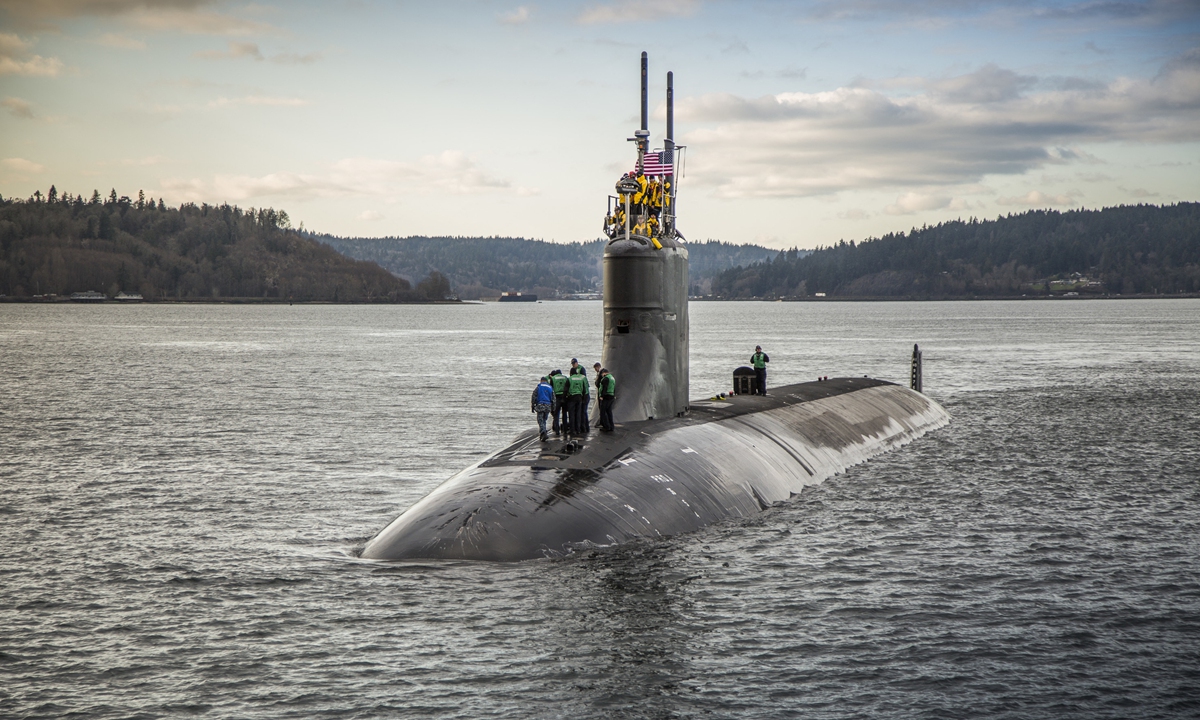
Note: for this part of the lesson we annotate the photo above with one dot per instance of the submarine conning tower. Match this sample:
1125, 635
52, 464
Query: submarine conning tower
646, 281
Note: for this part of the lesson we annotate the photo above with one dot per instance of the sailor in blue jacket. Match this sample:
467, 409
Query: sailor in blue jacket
542, 403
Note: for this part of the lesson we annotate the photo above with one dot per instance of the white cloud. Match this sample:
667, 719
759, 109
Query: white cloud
912, 202
370, 215
518, 16
16, 58
1036, 198
22, 166
957, 131
18, 107
627, 11
854, 214
449, 172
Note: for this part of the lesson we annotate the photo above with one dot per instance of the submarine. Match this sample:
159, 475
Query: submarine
671, 465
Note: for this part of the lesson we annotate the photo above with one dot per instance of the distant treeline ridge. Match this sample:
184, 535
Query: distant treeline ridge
52, 244
1138, 249
486, 266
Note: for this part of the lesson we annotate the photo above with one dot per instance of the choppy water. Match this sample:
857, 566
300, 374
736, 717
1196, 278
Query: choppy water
184, 488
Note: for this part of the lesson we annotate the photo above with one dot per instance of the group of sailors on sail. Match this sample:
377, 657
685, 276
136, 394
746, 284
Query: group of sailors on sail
648, 199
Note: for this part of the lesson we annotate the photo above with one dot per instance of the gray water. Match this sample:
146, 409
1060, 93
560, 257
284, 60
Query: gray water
184, 489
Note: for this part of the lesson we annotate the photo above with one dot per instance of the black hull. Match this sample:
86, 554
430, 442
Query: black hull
657, 478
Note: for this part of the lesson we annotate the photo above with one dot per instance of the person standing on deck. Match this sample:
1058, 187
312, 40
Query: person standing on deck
542, 403
594, 409
607, 390
759, 361
576, 386
587, 399
558, 381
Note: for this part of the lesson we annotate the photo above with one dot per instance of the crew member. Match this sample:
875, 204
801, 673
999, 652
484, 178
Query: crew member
759, 361
608, 395
558, 381
585, 404
594, 408
576, 386
542, 403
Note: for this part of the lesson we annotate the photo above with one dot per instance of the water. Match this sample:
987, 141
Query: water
185, 487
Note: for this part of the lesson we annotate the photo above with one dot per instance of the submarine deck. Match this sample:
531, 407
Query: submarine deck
599, 449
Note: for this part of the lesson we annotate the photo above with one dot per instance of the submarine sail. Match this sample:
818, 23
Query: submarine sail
671, 465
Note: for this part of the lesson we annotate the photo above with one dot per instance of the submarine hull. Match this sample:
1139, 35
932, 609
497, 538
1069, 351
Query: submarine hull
656, 478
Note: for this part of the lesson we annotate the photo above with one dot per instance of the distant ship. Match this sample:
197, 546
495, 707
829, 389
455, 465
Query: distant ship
91, 296
517, 297
128, 297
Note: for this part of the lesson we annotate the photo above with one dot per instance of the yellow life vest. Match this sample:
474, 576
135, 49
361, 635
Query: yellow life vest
641, 196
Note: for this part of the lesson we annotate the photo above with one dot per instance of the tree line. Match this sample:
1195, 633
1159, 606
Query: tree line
486, 266
60, 244
1135, 249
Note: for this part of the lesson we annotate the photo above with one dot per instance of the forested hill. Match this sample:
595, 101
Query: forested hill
481, 267
61, 245
1139, 249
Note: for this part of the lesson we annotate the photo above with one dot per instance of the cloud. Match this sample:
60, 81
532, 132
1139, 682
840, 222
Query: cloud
854, 214
518, 16
448, 172
16, 58
989, 84
1139, 192
1036, 198
120, 41
945, 11
370, 215
258, 100
912, 202
296, 59
188, 16
18, 107
236, 50
21, 166
954, 132
145, 161
627, 11
251, 50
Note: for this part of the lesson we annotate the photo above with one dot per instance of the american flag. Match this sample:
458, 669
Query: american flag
659, 163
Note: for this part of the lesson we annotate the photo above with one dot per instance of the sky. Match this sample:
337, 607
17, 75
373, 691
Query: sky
805, 123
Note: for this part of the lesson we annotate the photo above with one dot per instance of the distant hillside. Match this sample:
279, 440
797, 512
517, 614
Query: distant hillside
488, 266
60, 245
1125, 250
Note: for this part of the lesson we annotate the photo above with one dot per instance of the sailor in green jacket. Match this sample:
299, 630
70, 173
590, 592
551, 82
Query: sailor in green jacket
759, 360
576, 391
608, 394
558, 381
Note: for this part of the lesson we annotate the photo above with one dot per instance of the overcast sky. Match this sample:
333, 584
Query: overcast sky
805, 122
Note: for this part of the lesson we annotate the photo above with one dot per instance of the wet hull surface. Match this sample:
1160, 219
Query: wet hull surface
655, 478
